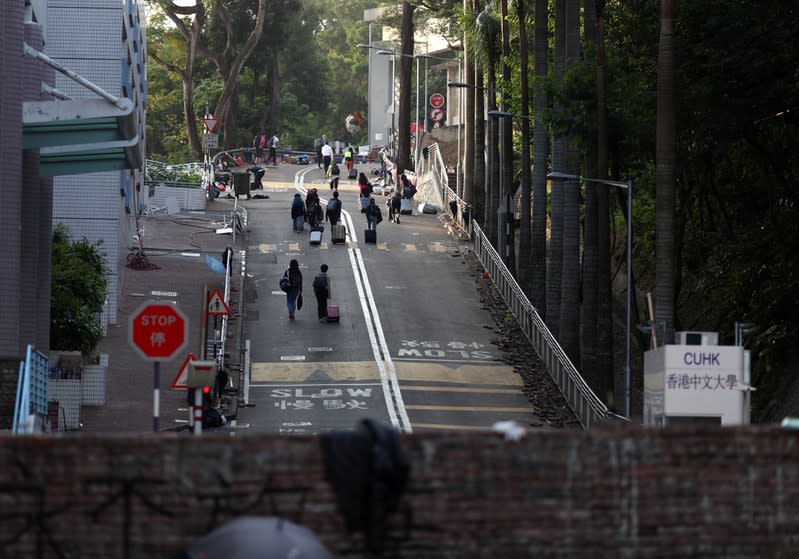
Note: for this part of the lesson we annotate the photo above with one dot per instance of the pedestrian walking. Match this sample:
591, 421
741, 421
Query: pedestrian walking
317, 146
274, 142
333, 210
349, 158
321, 289
373, 215
292, 280
298, 213
313, 210
394, 206
258, 144
327, 156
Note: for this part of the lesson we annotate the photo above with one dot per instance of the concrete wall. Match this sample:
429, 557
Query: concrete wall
609, 493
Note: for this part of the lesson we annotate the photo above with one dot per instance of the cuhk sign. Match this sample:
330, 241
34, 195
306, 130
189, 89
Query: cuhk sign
157, 330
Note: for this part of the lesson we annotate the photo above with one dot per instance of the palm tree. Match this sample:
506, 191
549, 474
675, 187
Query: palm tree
538, 289
469, 133
665, 148
569, 327
524, 264
487, 46
604, 316
506, 131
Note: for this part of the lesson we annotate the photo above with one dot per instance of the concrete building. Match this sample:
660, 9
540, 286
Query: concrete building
72, 101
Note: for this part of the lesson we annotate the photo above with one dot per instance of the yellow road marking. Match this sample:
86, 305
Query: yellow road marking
382, 246
500, 409
502, 375
298, 371
437, 247
480, 390
263, 247
410, 247
448, 427
294, 247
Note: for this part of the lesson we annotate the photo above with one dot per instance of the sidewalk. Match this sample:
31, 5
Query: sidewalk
177, 245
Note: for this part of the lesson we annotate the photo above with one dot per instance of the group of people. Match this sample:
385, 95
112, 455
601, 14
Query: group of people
260, 143
310, 210
291, 283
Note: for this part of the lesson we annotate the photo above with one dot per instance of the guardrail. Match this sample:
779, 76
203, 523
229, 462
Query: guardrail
581, 399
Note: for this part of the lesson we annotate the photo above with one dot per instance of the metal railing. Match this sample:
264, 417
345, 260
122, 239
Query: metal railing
581, 399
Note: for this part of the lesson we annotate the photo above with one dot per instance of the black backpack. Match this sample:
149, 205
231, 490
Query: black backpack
320, 282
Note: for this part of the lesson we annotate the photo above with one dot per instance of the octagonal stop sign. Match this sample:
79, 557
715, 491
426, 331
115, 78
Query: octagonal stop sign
157, 330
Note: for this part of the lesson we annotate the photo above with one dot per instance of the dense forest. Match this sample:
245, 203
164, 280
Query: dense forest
694, 102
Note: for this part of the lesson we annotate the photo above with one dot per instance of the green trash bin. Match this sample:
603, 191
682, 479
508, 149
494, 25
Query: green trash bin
241, 184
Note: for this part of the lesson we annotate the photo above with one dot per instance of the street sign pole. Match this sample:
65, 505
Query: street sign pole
156, 394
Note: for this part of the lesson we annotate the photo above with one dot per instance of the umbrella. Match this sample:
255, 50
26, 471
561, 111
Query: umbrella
259, 537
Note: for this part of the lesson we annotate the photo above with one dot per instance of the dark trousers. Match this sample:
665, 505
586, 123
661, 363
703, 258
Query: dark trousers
326, 159
321, 302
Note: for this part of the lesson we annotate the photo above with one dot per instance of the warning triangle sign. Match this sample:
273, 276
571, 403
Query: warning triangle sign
183, 373
217, 305
211, 124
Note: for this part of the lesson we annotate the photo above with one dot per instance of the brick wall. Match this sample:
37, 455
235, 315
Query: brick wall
731, 493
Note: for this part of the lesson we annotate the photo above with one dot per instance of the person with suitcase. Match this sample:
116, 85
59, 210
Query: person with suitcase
321, 289
373, 215
333, 211
298, 213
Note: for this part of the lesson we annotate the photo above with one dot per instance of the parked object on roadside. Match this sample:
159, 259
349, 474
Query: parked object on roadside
428, 209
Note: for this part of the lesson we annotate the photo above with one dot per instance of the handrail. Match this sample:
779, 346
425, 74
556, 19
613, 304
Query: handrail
581, 399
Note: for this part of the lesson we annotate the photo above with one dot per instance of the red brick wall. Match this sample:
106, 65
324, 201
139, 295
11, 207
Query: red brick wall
605, 494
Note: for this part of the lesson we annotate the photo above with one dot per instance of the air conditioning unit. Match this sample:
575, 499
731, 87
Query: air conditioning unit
697, 338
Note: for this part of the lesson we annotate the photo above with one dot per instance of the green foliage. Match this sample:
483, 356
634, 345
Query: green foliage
78, 289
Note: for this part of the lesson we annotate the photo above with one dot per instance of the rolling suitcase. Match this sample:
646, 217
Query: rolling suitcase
332, 313
316, 234
338, 233
370, 236
406, 207
353, 174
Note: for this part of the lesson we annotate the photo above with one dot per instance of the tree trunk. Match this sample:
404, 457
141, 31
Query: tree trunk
538, 290
469, 132
507, 242
555, 260
524, 269
604, 294
480, 183
665, 151
406, 67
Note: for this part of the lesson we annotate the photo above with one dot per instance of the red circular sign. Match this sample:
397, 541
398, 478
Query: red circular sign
436, 100
157, 331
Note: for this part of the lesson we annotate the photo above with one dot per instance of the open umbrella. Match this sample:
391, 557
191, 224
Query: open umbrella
259, 537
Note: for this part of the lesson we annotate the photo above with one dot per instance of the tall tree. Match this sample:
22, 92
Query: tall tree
406, 67
664, 161
538, 289
525, 262
604, 312
229, 61
470, 140
569, 328
189, 21
506, 132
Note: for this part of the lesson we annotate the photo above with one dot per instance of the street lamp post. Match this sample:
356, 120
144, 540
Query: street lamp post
628, 186
507, 221
392, 88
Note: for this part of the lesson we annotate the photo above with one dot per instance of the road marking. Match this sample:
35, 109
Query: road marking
410, 247
460, 389
484, 373
480, 409
321, 348
292, 358
450, 427
382, 246
294, 372
263, 247
294, 247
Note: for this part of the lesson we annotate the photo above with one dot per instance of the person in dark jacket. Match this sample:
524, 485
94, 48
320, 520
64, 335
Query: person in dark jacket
298, 213
394, 206
333, 212
373, 214
295, 286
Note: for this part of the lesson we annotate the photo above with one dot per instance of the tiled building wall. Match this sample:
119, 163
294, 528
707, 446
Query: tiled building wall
607, 494
87, 37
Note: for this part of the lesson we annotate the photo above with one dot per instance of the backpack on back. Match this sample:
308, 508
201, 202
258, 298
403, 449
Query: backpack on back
320, 282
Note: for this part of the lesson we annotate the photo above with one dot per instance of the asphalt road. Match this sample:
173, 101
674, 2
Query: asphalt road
413, 348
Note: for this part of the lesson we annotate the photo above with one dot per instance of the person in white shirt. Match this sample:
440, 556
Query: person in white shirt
327, 155
274, 141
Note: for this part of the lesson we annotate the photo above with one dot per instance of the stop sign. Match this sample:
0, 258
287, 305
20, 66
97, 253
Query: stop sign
157, 331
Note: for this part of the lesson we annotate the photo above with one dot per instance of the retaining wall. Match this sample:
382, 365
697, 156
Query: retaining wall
612, 492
